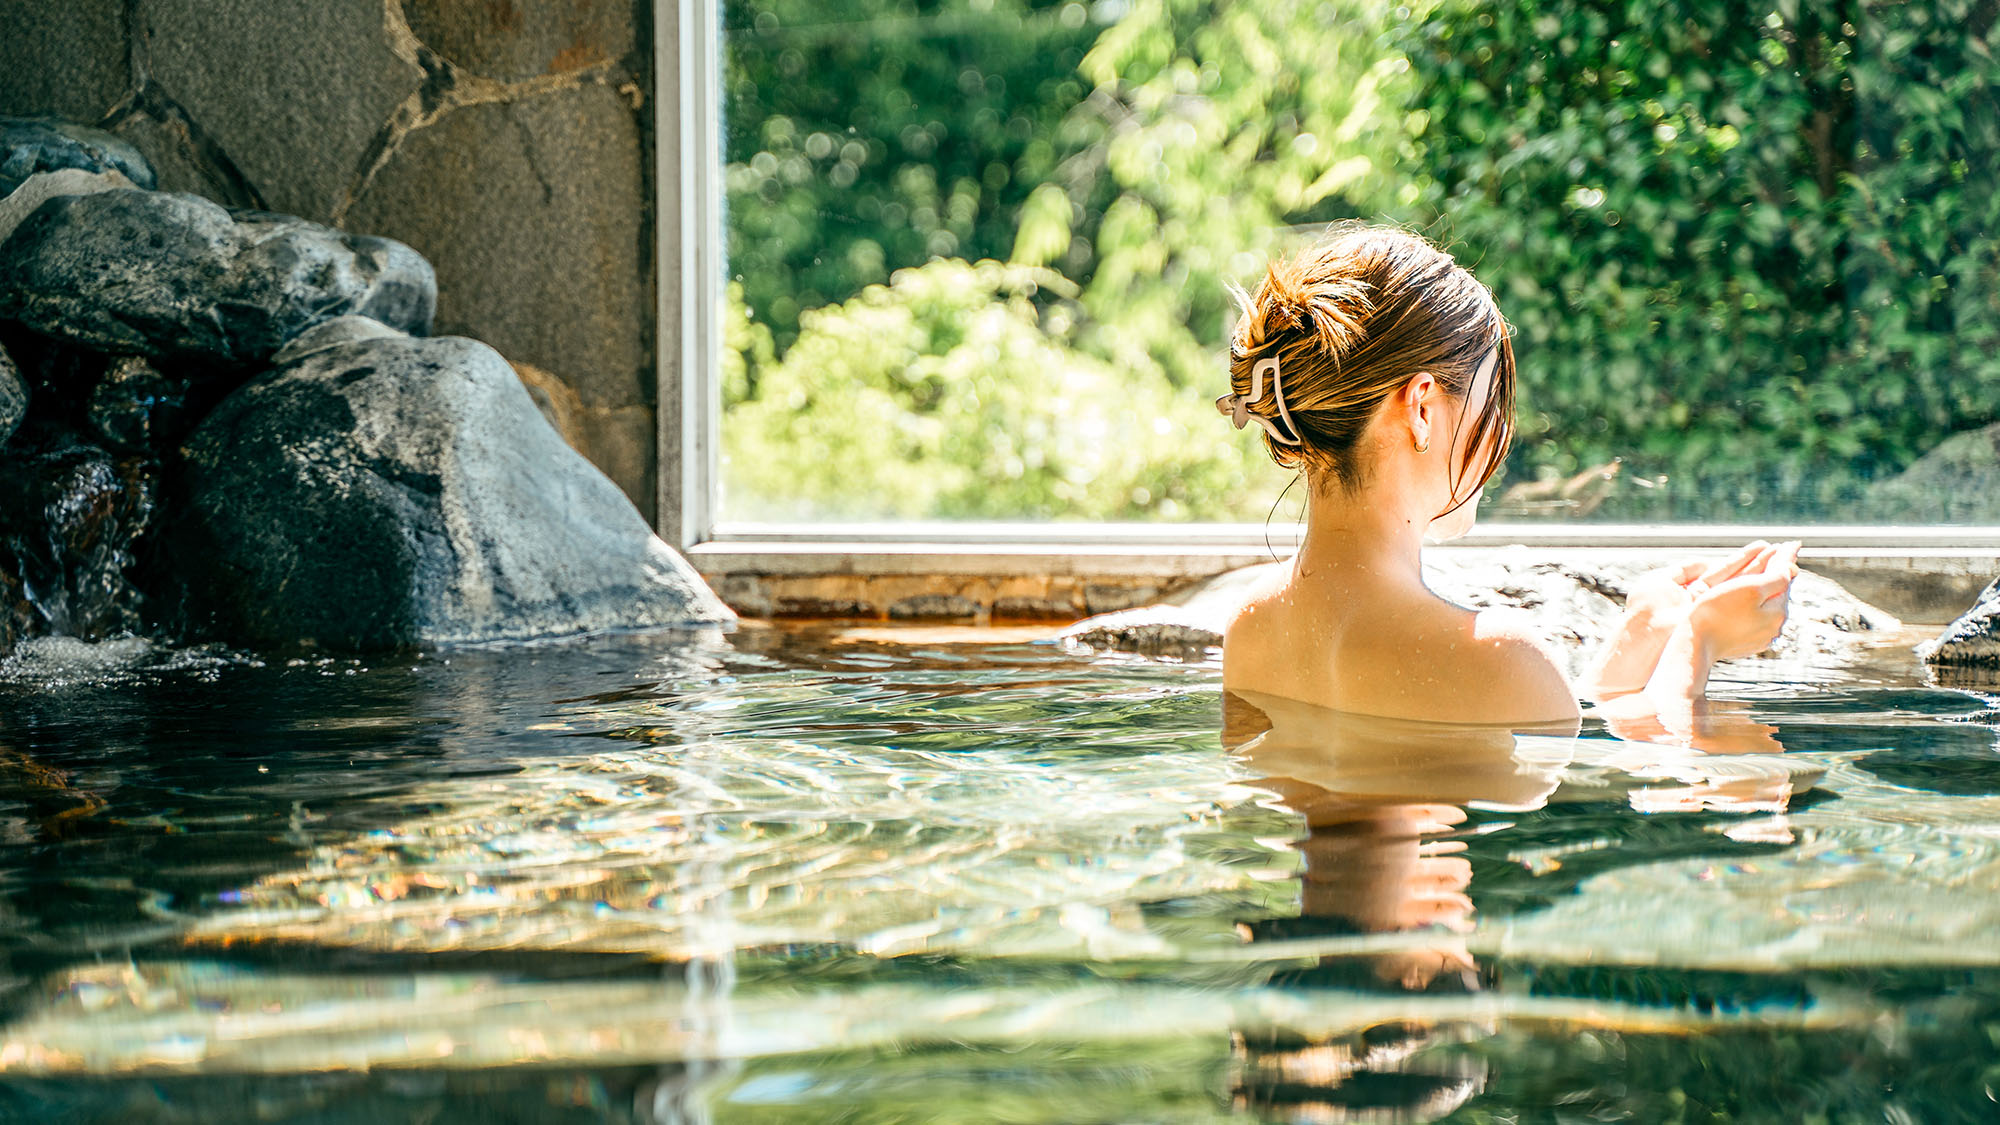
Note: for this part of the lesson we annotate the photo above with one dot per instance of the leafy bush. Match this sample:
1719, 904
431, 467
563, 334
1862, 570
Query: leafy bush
949, 393
1753, 252
1751, 249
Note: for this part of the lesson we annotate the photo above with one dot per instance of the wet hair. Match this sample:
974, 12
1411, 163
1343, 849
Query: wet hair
1350, 320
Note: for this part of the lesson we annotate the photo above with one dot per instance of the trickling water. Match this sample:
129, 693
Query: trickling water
70, 514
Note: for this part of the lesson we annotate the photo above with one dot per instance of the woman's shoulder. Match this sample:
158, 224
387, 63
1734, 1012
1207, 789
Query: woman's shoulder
1427, 659
1513, 668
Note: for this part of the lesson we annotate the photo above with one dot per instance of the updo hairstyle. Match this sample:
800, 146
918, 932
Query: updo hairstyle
1350, 320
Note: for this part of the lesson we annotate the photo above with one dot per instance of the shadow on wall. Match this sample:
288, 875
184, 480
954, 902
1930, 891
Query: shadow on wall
505, 140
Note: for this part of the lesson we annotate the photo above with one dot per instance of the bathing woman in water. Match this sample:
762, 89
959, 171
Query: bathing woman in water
1381, 369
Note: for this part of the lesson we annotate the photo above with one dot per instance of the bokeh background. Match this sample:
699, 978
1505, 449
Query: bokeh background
980, 250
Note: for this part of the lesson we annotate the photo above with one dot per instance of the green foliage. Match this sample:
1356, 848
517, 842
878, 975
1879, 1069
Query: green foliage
949, 393
1228, 124
1155, 170
871, 135
1750, 249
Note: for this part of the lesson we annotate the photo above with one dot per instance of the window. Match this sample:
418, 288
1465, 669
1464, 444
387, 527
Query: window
980, 250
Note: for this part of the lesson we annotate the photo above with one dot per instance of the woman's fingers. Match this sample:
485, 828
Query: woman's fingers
1788, 557
1735, 564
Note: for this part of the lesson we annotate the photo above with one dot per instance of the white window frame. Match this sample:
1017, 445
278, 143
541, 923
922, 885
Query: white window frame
691, 249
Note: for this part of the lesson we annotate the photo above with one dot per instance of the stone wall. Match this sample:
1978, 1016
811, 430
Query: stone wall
506, 140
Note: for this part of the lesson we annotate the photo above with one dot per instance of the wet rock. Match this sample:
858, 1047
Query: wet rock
175, 276
70, 516
13, 396
37, 144
44, 186
332, 334
1574, 602
1972, 641
135, 407
388, 492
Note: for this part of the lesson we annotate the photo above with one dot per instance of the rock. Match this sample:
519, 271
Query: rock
44, 186
349, 329
540, 249
297, 98
71, 58
1185, 625
1972, 641
389, 492
514, 41
13, 396
29, 145
70, 514
135, 407
165, 276
1574, 603
1958, 481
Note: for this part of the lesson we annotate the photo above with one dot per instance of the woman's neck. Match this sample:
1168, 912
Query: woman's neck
1360, 537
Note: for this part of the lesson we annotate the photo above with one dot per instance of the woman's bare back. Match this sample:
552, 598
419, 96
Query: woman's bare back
1398, 654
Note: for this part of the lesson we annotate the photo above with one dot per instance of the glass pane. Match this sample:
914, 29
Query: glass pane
981, 251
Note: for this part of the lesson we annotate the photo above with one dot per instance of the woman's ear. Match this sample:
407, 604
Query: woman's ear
1419, 401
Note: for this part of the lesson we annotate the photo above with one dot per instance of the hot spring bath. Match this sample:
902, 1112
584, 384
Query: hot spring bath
808, 874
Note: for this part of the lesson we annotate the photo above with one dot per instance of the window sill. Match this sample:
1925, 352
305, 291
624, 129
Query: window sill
985, 572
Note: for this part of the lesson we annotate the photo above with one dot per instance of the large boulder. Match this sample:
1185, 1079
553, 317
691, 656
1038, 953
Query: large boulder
29, 145
1574, 602
1957, 481
171, 276
1972, 641
379, 491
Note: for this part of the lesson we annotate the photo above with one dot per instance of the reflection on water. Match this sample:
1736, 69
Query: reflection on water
774, 877
1385, 804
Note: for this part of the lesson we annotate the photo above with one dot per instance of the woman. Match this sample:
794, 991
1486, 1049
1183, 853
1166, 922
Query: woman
1382, 370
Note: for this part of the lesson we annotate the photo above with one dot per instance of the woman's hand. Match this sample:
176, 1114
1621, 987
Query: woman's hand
1737, 617
1742, 613
1658, 604
1663, 597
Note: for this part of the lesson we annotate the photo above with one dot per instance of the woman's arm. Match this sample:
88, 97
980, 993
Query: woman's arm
1658, 604
1739, 617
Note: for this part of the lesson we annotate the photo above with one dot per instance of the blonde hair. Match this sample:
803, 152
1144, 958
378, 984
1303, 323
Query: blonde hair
1350, 320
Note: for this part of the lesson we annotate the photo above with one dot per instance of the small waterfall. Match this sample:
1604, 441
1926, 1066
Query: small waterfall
70, 514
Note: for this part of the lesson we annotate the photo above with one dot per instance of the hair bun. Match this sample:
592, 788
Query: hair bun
1302, 294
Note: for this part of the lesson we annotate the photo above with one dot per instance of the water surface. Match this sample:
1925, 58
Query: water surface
808, 874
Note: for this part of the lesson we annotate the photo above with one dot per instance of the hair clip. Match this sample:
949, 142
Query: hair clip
1237, 407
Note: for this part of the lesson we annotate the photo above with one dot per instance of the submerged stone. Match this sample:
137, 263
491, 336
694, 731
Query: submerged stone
29, 145
388, 491
174, 276
1972, 641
